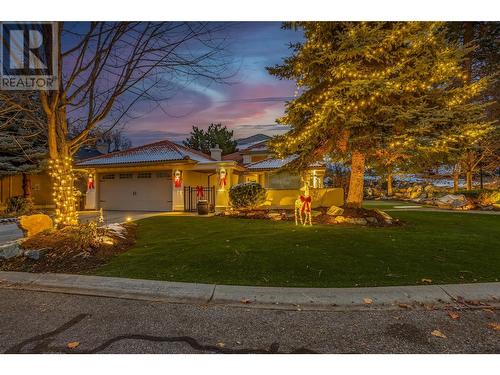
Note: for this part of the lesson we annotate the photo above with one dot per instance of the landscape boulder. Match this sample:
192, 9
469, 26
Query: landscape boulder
387, 218
415, 192
275, 216
35, 254
429, 191
335, 211
10, 250
34, 224
452, 201
350, 220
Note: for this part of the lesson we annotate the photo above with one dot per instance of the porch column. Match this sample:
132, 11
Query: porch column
222, 188
178, 176
91, 193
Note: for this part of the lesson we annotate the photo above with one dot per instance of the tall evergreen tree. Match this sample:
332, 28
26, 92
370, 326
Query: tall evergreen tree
369, 86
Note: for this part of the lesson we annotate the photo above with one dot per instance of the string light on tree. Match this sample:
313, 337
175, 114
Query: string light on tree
61, 170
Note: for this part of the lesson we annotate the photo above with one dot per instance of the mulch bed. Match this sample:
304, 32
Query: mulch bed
62, 256
356, 213
323, 218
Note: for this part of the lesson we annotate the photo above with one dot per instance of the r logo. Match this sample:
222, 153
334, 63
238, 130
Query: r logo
28, 55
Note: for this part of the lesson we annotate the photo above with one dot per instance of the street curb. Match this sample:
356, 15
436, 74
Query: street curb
251, 296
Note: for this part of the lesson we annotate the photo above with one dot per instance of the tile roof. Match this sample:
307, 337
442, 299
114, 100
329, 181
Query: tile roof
275, 163
260, 146
154, 152
270, 163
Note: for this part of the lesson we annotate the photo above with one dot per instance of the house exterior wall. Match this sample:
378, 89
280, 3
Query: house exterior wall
41, 189
322, 197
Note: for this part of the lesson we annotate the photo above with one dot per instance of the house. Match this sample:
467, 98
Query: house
40, 183
165, 176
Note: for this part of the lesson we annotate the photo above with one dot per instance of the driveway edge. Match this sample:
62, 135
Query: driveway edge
251, 296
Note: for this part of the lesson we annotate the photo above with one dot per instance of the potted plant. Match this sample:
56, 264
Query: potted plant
202, 207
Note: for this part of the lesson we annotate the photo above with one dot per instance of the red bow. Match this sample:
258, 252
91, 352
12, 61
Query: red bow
222, 181
199, 191
90, 184
306, 203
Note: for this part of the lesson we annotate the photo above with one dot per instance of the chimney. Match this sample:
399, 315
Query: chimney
216, 153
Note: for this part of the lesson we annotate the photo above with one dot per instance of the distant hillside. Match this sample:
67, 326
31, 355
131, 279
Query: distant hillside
248, 141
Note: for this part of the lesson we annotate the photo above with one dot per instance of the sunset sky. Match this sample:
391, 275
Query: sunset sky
248, 105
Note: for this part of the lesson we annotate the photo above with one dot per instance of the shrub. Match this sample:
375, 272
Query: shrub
247, 195
87, 235
473, 194
489, 197
19, 205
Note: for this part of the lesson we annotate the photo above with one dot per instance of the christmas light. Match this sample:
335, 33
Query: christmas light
64, 193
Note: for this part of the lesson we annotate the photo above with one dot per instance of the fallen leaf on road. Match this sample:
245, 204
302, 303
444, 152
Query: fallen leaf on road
438, 333
368, 301
73, 344
244, 300
494, 326
404, 306
221, 344
453, 315
427, 281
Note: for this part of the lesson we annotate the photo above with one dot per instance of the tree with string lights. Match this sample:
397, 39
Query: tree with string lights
370, 86
106, 69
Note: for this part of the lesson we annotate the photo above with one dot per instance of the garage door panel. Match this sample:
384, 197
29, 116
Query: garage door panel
136, 194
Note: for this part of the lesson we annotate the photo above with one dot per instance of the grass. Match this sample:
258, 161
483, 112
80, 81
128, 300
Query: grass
444, 247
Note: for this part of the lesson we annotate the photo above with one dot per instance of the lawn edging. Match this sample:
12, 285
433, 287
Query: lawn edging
251, 296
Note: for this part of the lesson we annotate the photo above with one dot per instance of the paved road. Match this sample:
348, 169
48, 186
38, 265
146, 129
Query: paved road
9, 232
42, 322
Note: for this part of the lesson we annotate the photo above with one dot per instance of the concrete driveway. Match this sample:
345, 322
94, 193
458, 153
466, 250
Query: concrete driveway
10, 232
117, 216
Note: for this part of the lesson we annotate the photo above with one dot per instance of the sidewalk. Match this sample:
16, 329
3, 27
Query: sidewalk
266, 297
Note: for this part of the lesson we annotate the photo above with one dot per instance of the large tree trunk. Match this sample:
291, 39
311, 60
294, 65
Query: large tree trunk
469, 180
455, 181
27, 186
389, 184
356, 181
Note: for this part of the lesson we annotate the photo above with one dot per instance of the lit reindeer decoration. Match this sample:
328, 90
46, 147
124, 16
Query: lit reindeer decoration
303, 208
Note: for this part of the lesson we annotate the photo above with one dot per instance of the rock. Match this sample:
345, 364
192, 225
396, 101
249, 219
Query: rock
429, 191
486, 208
276, 216
315, 213
387, 218
335, 211
415, 192
357, 220
34, 224
452, 201
35, 254
350, 220
10, 250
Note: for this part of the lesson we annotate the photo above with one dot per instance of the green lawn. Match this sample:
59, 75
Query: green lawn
444, 247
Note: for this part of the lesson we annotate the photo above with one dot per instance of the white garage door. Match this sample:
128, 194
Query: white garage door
136, 191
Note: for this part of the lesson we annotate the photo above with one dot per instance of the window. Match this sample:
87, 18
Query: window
144, 175
162, 174
125, 175
108, 176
